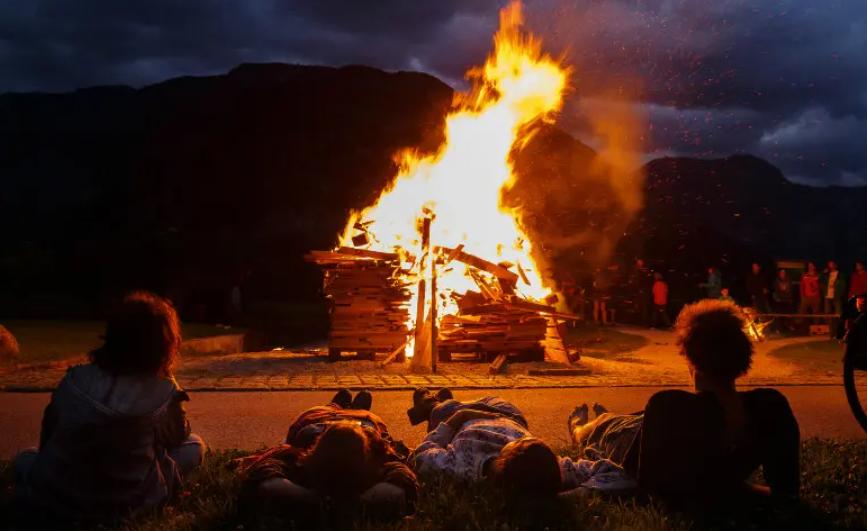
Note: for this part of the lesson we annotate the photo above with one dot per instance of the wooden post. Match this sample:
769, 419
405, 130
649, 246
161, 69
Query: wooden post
420, 340
433, 308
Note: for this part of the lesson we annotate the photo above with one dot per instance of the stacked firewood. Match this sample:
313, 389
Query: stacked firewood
370, 297
369, 301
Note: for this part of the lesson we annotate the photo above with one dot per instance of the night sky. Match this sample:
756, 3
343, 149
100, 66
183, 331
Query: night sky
785, 80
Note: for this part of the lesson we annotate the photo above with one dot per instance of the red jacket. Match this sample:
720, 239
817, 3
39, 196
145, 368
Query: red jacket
660, 293
858, 284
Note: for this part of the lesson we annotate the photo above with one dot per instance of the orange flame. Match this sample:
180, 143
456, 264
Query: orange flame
462, 183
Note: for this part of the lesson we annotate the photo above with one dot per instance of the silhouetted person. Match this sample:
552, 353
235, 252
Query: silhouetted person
811, 295
858, 282
783, 296
660, 302
713, 287
758, 289
833, 284
115, 439
699, 449
640, 283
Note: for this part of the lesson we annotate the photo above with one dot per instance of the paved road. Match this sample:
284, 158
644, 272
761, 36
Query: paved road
253, 419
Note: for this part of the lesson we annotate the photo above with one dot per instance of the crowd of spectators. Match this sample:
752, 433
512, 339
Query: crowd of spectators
641, 295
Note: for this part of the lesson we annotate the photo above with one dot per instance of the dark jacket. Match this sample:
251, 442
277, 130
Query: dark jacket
839, 286
103, 447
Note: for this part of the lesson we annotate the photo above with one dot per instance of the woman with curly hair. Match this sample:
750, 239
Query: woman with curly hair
115, 438
701, 447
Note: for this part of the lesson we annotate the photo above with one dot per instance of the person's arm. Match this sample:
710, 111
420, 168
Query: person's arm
279, 491
49, 422
781, 446
173, 427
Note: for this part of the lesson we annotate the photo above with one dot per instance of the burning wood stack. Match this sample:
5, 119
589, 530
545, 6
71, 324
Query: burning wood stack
370, 295
369, 301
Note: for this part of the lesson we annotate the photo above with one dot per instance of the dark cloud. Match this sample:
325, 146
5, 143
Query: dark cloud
785, 79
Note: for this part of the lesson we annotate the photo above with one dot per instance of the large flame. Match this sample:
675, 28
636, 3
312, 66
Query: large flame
461, 185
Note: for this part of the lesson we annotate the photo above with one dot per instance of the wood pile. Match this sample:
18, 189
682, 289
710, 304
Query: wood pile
370, 297
369, 301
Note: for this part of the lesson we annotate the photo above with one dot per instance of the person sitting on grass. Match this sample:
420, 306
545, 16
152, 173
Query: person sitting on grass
702, 447
338, 459
489, 439
115, 438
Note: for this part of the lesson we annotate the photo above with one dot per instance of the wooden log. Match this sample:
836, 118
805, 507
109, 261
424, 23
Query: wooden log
394, 353
498, 364
479, 263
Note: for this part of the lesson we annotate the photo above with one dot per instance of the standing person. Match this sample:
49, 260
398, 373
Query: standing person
713, 286
601, 295
858, 284
758, 289
640, 283
833, 288
783, 297
660, 302
115, 439
810, 291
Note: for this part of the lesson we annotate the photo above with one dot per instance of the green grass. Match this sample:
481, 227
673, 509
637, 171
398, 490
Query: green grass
604, 342
834, 495
819, 355
42, 341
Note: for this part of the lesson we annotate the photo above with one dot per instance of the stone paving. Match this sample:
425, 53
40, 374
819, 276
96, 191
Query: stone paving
656, 364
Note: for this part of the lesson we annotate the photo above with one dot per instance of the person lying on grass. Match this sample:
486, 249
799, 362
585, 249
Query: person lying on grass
489, 440
337, 457
115, 438
700, 448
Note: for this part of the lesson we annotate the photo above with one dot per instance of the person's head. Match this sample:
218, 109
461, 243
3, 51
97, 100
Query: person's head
832, 265
657, 276
639, 263
724, 292
142, 336
859, 266
711, 270
811, 267
526, 468
757, 268
781, 274
8, 345
711, 336
339, 462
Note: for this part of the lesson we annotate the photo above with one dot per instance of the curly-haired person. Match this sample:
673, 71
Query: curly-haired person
115, 438
700, 448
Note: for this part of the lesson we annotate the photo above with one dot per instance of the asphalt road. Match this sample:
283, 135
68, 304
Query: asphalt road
249, 420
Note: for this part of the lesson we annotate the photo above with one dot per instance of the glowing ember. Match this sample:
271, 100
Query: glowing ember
461, 185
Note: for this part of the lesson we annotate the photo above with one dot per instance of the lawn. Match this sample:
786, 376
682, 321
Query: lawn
819, 355
834, 495
42, 341
603, 342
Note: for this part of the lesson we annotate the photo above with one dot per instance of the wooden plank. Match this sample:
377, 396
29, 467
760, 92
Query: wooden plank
479, 263
498, 364
366, 253
394, 354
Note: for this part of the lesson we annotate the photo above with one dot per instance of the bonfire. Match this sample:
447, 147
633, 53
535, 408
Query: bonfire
438, 265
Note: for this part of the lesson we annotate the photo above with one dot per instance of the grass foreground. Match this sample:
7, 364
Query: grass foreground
833, 496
